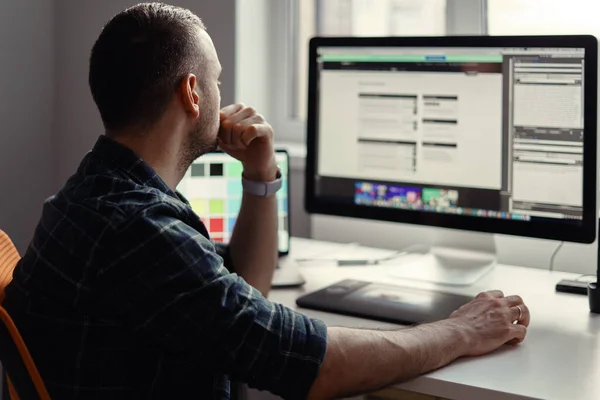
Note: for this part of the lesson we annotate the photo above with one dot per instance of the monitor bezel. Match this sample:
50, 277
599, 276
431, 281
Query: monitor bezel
289, 200
584, 233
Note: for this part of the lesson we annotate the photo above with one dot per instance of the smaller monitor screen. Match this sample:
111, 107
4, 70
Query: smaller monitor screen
213, 186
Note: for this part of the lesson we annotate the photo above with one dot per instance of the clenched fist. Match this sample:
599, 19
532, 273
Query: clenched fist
245, 135
492, 320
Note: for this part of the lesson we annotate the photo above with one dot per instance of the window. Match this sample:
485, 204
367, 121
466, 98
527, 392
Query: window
294, 22
362, 18
548, 17
309, 18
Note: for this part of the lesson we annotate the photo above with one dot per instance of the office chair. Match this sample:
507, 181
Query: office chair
9, 256
21, 377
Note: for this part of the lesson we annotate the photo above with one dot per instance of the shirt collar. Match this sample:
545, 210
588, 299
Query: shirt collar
125, 159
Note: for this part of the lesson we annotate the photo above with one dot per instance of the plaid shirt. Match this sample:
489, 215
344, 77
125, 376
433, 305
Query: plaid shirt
121, 295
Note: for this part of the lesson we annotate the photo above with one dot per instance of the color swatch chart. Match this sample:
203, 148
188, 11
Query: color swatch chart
213, 186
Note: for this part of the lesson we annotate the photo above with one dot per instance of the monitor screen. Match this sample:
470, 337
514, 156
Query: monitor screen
213, 186
476, 130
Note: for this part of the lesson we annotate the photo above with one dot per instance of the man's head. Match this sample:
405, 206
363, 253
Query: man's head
155, 64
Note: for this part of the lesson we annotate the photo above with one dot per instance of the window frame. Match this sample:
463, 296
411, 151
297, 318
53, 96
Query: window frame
463, 17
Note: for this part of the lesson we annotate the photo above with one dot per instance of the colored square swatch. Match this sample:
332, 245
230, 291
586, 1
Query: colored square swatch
199, 206
231, 223
234, 205
216, 225
216, 169
235, 169
198, 170
234, 187
217, 206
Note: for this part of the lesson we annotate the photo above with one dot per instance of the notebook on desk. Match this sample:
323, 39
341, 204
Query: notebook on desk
213, 187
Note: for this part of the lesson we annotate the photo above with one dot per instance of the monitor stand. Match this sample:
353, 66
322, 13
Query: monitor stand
454, 259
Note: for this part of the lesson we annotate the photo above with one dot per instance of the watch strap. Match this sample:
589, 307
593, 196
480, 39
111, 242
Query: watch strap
262, 189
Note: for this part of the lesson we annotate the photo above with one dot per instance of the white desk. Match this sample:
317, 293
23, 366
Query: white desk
560, 358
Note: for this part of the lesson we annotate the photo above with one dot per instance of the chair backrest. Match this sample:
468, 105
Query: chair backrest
22, 377
9, 256
24, 380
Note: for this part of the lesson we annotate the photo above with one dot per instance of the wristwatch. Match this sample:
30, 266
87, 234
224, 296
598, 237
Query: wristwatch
262, 189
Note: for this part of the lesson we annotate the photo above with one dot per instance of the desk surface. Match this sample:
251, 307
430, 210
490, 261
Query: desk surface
560, 358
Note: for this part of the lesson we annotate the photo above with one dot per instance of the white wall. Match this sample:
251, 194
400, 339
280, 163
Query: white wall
78, 24
255, 58
26, 95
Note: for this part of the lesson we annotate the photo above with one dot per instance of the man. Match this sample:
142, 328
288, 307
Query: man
122, 295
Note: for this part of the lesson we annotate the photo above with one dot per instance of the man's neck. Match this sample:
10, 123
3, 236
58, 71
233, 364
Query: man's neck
161, 152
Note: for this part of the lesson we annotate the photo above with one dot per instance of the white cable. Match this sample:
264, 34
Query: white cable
551, 268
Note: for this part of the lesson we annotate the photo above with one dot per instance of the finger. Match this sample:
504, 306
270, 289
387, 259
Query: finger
237, 132
512, 301
256, 131
228, 125
253, 128
523, 317
232, 109
490, 294
224, 133
516, 313
241, 115
224, 147
250, 134
518, 334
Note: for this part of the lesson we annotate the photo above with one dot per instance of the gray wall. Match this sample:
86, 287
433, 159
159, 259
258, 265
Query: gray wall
48, 117
78, 24
26, 96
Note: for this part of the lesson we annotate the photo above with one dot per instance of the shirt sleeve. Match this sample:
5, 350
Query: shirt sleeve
171, 288
223, 250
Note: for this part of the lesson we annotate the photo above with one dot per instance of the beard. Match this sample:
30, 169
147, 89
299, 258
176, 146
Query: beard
200, 140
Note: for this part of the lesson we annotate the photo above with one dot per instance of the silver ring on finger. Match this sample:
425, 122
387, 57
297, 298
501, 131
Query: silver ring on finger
520, 313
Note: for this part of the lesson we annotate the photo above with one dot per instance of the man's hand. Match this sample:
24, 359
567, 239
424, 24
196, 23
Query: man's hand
492, 320
362, 361
245, 135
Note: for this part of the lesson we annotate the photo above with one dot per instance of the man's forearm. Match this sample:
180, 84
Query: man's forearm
253, 245
362, 361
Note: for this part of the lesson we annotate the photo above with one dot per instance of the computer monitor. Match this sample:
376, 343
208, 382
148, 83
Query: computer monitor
484, 134
213, 186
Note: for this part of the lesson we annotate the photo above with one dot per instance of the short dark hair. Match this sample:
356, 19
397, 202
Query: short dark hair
139, 59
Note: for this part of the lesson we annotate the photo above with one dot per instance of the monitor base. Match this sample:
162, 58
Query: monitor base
455, 259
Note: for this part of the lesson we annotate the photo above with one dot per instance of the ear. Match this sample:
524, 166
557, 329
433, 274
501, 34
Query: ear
190, 98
